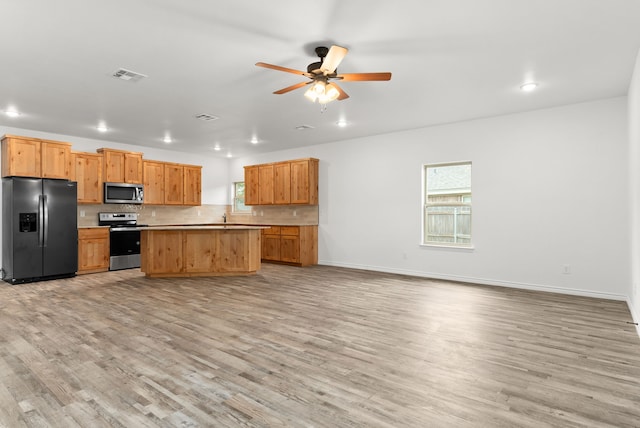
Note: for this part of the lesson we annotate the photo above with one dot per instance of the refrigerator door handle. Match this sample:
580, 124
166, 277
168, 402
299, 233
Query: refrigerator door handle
45, 231
40, 220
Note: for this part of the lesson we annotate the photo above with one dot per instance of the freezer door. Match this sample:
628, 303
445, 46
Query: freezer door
60, 246
22, 253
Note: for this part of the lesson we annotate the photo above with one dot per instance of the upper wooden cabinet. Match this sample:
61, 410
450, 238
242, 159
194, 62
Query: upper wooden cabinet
173, 184
153, 181
292, 182
265, 189
55, 159
120, 166
282, 183
32, 157
304, 181
192, 193
164, 183
251, 185
86, 169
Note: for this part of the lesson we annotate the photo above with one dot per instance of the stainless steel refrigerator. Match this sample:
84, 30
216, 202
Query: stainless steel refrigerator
39, 229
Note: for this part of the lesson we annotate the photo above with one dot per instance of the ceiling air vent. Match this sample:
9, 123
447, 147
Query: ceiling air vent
206, 117
131, 76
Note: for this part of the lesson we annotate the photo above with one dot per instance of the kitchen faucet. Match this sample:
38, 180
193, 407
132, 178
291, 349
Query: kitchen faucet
224, 217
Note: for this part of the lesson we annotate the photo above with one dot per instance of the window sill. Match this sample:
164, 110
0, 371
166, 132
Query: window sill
454, 247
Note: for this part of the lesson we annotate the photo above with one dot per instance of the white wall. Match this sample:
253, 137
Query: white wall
550, 188
634, 195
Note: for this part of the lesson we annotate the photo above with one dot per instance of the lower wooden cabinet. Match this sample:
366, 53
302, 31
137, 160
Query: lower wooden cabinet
297, 245
199, 252
93, 250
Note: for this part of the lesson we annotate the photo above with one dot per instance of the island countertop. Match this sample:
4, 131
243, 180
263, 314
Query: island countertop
212, 226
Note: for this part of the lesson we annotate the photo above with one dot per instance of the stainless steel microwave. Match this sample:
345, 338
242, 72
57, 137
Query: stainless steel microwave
123, 193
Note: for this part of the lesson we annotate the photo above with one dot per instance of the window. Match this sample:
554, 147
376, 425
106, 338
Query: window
447, 204
238, 198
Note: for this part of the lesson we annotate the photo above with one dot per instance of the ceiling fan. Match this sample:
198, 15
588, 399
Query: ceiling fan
323, 75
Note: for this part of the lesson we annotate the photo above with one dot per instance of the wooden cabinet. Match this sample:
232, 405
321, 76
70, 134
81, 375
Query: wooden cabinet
173, 184
251, 185
282, 183
304, 181
86, 169
121, 166
296, 245
199, 252
164, 183
265, 189
93, 250
271, 244
292, 182
192, 193
32, 157
153, 181
55, 159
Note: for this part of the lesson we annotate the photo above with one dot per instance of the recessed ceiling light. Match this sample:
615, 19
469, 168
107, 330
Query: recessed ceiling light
12, 113
102, 128
529, 86
217, 148
342, 123
167, 139
254, 140
229, 155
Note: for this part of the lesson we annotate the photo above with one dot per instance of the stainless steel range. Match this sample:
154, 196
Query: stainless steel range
124, 239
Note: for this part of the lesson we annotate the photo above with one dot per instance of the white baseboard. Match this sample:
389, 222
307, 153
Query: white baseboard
635, 315
483, 281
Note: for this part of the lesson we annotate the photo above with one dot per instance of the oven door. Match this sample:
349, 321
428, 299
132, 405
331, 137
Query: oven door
125, 248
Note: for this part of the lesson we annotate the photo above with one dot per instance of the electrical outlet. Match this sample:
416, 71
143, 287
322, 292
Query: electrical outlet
295, 213
199, 213
261, 213
82, 213
153, 213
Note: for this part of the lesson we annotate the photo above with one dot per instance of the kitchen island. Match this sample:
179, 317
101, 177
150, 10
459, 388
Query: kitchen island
199, 250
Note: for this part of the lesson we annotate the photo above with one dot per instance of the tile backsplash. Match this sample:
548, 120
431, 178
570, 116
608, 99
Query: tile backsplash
162, 214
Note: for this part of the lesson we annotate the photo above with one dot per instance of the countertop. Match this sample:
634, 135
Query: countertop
215, 226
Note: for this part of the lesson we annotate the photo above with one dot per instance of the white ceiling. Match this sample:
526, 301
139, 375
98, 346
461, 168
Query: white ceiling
451, 60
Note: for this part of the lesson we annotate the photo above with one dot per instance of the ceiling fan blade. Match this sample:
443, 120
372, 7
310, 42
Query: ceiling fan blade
362, 77
333, 59
279, 68
292, 88
343, 95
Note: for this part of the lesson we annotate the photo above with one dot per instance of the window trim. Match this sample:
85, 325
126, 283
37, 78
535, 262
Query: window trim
425, 204
234, 208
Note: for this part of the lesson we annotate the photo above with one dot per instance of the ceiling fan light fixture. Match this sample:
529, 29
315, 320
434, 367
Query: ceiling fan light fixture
330, 94
311, 95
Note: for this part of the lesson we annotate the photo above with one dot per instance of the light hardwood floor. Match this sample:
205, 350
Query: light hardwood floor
311, 347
